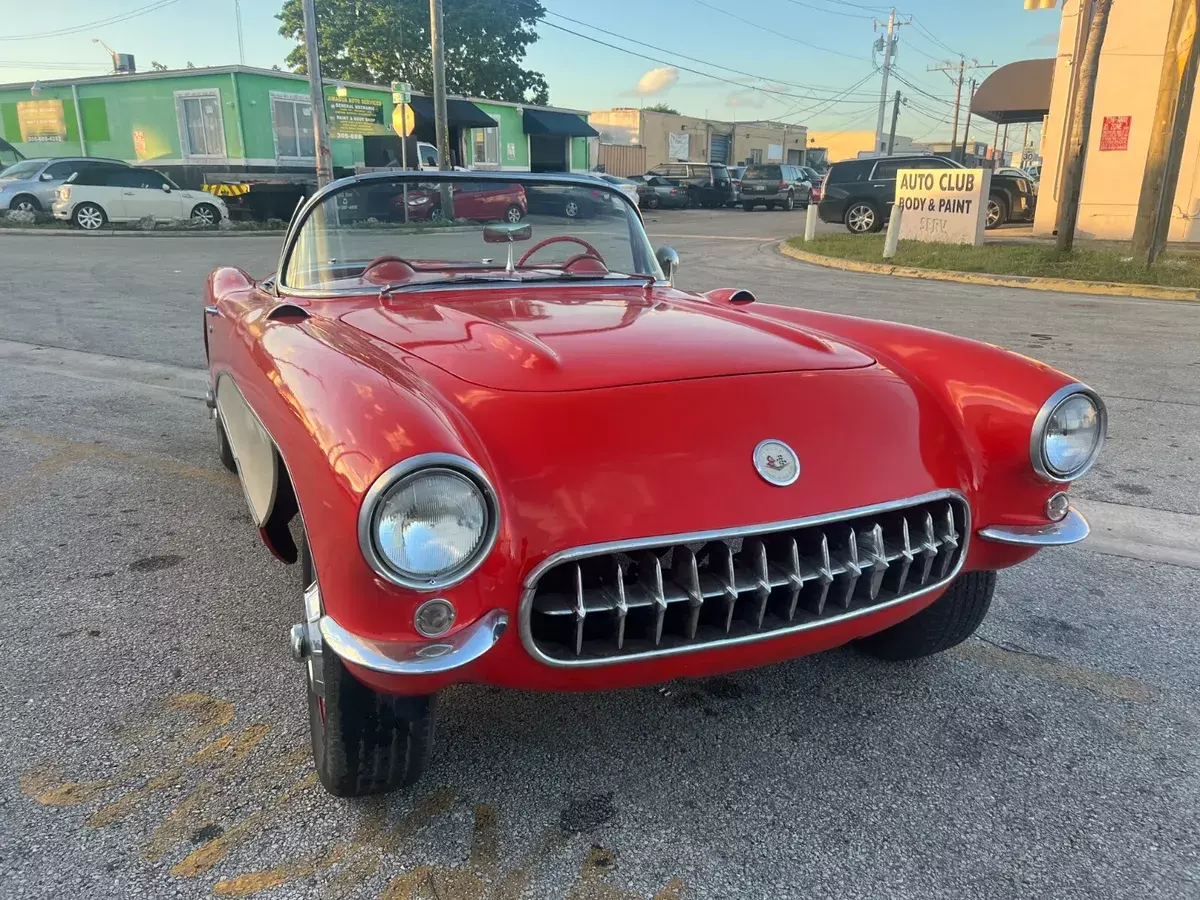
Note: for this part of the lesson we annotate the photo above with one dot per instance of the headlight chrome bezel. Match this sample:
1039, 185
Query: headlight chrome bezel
1037, 439
368, 515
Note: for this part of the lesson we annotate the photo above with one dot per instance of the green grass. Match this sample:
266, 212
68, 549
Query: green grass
1083, 263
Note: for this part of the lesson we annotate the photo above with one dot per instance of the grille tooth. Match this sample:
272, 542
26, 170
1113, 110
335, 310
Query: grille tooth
685, 572
650, 576
870, 547
619, 605
754, 553
928, 548
645, 599
822, 564
851, 570
580, 611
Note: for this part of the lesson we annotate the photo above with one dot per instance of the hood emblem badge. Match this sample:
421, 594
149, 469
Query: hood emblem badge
776, 462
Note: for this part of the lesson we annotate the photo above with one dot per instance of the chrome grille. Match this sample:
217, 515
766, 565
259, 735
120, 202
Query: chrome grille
652, 597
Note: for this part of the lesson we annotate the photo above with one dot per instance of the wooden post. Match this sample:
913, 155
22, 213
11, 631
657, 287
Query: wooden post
316, 89
1167, 134
1068, 208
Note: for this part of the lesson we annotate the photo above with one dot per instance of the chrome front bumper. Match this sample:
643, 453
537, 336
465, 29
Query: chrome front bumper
1071, 530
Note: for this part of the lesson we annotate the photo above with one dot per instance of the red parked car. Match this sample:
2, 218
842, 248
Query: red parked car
477, 201
549, 469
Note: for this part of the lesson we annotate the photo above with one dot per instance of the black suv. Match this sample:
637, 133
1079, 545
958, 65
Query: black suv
858, 193
707, 184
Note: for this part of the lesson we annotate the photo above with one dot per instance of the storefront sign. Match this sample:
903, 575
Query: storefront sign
41, 121
774, 151
1114, 135
352, 117
942, 205
679, 145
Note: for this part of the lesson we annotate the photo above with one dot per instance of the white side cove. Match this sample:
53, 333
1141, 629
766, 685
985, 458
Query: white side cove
257, 462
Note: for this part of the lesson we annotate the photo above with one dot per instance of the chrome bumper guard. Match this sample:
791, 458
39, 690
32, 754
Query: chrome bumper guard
415, 657
1071, 530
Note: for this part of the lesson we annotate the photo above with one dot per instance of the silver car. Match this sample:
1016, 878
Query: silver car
30, 184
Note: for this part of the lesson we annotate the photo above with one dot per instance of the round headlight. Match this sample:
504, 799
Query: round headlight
427, 525
1068, 434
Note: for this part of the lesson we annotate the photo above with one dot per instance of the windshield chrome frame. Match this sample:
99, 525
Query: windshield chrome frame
302, 213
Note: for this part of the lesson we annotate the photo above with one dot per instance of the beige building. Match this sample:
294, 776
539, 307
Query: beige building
1122, 116
841, 145
668, 137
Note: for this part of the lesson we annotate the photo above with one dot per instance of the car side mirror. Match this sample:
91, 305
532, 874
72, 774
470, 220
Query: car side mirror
668, 261
46, 176
166, 188
507, 232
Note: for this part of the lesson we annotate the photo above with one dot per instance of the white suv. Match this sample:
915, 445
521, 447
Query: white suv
96, 196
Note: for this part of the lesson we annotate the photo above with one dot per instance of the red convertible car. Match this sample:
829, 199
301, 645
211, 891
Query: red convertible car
515, 454
476, 201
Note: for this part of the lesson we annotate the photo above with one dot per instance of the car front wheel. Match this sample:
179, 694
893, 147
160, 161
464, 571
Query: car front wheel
945, 623
862, 218
89, 217
571, 210
514, 214
363, 742
206, 214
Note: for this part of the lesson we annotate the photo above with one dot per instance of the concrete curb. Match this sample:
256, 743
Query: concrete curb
78, 232
1029, 282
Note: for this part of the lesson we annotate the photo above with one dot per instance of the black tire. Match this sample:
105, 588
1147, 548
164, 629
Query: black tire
652, 201
947, 622
364, 742
790, 203
997, 211
748, 207
770, 206
25, 203
89, 216
863, 218
224, 449
514, 214
206, 214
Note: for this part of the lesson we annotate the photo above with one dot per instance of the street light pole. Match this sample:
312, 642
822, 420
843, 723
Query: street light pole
317, 95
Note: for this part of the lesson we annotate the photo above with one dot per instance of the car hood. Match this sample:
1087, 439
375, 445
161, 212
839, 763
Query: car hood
586, 338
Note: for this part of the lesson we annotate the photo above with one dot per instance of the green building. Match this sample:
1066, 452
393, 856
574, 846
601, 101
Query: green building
247, 133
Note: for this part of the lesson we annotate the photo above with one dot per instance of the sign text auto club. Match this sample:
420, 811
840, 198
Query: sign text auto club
946, 181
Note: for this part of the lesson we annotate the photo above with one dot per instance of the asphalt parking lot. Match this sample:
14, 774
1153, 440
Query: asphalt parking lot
154, 725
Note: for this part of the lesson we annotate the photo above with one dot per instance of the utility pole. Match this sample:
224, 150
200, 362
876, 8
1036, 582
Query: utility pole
889, 40
1081, 123
439, 84
895, 116
967, 128
237, 15
961, 67
316, 91
1171, 115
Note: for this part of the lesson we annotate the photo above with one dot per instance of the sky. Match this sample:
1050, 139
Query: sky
807, 62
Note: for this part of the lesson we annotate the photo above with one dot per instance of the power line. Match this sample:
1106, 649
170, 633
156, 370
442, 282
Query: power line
787, 37
831, 101
832, 12
768, 91
929, 35
76, 29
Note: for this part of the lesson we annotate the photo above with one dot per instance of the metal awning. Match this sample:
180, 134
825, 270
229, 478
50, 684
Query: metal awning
545, 121
459, 113
1018, 92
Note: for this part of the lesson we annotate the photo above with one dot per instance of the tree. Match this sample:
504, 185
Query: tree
381, 41
662, 108
157, 66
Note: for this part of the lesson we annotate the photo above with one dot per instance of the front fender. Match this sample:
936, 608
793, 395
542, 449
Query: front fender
994, 395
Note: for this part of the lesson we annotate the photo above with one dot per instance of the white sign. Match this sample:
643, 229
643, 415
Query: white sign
679, 145
775, 151
942, 205
511, 150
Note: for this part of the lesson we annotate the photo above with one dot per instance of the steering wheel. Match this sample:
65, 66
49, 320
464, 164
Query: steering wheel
388, 269
560, 238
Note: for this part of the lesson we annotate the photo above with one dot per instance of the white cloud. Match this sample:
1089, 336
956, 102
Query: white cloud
657, 81
745, 100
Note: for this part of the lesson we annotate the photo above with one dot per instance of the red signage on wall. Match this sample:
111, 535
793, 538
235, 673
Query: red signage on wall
1115, 133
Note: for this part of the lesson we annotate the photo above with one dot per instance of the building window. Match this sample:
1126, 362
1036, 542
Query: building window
292, 117
755, 156
201, 131
486, 147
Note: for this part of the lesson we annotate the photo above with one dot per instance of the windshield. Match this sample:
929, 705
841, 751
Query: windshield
770, 172
423, 230
26, 168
